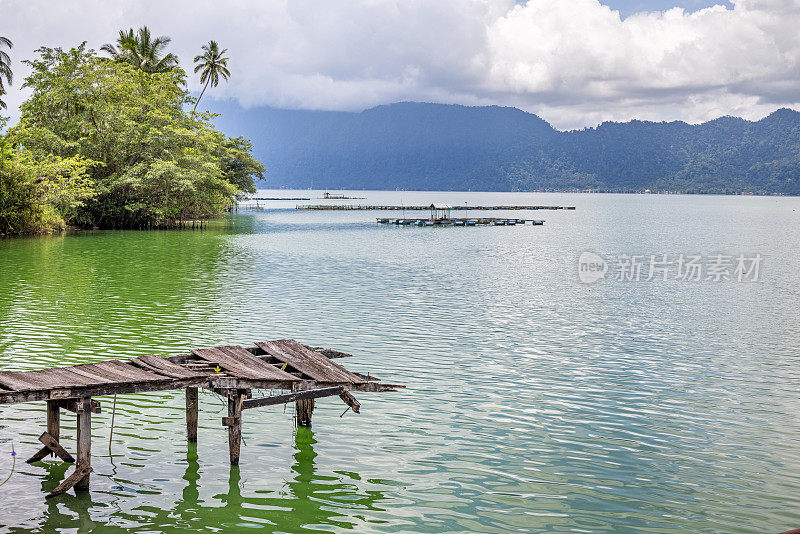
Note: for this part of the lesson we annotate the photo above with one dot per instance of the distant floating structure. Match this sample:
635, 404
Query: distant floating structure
360, 207
440, 216
474, 221
279, 198
340, 197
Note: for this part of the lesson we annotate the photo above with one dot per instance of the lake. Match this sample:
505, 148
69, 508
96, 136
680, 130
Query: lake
646, 401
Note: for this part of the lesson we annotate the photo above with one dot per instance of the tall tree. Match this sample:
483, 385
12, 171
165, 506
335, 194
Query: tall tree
213, 66
156, 163
5, 68
142, 50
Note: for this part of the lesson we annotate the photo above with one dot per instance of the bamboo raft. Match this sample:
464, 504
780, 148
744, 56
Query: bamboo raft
307, 373
360, 207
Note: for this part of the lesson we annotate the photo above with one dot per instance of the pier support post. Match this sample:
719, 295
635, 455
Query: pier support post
234, 423
304, 407
84, 441
53, 419
191, 414
53, 430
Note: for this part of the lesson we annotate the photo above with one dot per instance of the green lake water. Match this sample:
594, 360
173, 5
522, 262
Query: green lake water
535, 402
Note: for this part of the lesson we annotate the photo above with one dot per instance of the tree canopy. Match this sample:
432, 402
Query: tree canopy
146, 161
142, 50
5, 68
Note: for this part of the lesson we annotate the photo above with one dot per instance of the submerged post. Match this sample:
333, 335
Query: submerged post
191, 414
234, 424
304, 407
84, 409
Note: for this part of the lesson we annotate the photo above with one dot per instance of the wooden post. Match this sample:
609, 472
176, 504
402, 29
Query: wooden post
234, 423
191, 414
304, 407
84, 441
53, 419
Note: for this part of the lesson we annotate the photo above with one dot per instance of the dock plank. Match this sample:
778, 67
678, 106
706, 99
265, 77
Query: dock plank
239, 362
313, 364
163, 366
16, 381
58, 376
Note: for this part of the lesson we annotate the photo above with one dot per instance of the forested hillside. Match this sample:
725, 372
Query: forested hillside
447, 147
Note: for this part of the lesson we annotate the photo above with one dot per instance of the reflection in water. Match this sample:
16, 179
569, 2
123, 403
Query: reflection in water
68, 511
314, 499
311, 500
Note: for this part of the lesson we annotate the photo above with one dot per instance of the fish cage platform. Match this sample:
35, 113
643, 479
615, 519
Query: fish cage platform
474, 221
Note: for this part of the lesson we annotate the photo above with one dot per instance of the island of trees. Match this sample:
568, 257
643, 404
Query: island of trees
115, 141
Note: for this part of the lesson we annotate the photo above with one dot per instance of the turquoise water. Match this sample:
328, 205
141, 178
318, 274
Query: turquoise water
535, 402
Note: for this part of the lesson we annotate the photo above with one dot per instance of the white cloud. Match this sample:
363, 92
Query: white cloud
573, 62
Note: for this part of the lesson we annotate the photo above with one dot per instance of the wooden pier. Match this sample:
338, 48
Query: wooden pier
473, 221
279, 198
305, 372
359, 207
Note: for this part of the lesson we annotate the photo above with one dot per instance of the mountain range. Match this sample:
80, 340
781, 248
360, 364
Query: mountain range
421, 146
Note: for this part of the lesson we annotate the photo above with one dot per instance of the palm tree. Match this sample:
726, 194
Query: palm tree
213, 66
5, 68
142, 50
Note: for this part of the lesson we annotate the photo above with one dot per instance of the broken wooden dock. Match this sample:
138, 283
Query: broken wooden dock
307, 373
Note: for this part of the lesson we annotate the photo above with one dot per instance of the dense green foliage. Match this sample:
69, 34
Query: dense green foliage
37, 193
433, 146
148, 162
6, 74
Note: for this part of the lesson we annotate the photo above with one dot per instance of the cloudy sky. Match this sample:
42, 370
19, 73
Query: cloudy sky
573, 62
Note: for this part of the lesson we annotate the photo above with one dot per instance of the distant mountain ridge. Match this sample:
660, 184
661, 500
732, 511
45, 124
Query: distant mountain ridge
421, 146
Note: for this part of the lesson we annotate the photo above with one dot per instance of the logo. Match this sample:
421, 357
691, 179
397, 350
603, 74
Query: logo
591, 267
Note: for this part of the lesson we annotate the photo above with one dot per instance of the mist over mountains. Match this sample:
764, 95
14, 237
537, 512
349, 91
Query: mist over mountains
418, 146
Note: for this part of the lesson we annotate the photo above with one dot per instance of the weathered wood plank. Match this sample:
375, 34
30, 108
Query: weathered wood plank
39, 455
351, 401
329, 353
164, 366
62, 377
289, 397
53, 430
127, 372
258, 365
375, 387
242, 363
17, 381
86, 371
78, 475
111, 389
310, 363
301, 350
52, 445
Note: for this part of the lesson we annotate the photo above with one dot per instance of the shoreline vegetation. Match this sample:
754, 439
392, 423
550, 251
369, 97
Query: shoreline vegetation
113, 143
